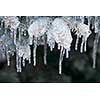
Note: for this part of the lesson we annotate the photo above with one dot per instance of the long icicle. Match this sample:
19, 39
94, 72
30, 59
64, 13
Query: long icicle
14, 37
58, 46
23, 62
97, 32
76, 44
95, 49
85, 45
17, 64
34, 51
8, 58
81, 49
20, 69
45, 49
67, 53
62, 51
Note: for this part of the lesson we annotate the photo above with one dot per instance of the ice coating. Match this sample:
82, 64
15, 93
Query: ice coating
11, 21
82, 30
37, 29
22, 52
60, 33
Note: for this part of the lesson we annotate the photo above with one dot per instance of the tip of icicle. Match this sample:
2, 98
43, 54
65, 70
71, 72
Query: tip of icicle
76, 48
60, 72
94, 67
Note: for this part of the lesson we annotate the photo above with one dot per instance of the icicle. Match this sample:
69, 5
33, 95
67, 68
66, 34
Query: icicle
81, 49
20, 31
29, 59
95, 49
83, 31
85, 43
19, 67
60, 66
96, 24
45, 62
1, 24
58, 46
17, 62
93, 22
51, 48
30, 51
14, 38
34, 51
76, 45
89, 20
30, 40
97, 31
27, 21
23, 62
45, 49
8, 58
12, 35
67, 54
29, 55
61, 59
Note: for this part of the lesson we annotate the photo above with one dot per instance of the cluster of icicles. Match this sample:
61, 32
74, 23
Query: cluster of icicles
17, 36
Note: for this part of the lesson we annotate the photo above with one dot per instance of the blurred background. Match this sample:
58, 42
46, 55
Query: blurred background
76, 69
